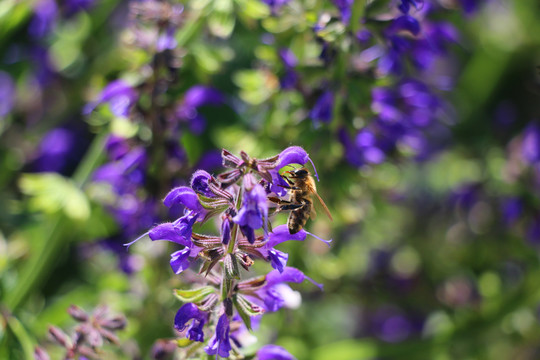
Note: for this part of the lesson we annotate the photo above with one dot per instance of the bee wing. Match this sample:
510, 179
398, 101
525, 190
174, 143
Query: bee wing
324, 207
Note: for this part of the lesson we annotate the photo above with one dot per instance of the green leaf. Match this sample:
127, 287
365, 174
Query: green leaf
194, 295
347, 350
246, 309
51, 193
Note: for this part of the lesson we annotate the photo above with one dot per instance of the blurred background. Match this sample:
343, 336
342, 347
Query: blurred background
421, 117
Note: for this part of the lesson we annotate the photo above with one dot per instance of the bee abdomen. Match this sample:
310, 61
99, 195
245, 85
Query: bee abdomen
298, 218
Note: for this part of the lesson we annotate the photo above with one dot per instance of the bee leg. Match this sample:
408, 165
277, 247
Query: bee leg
291, 206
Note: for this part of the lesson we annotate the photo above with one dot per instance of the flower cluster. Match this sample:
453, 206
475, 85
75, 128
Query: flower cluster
89, 335
241, 199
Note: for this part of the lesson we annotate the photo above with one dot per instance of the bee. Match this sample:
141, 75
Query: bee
302, 188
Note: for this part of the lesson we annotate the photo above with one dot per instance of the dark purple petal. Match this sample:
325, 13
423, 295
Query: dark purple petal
405, 23
295, 155
254, 210
180, 260
220, 343
178, 232
185, 196
273, 352
189, 312
226, 230
281, 234
278, 259
199, 183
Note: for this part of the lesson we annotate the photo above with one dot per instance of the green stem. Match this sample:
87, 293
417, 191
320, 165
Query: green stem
22, 336
234, 231
36, 269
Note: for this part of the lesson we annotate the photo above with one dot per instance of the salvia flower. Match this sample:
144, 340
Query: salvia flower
239, 200
220, 343
119, 95
274, 352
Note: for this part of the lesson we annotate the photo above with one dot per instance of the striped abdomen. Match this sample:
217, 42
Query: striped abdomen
299, 217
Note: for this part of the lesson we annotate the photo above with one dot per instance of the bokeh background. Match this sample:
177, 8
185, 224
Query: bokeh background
421, 117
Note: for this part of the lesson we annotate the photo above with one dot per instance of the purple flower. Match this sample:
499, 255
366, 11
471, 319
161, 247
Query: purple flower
275, 292
7, 94
194, 98
166, 41
220, 343
185, 196
125, 174
530, 147
323, 109
72, 7
187, 313
291, 155
273, 352
512, 208
290, 79
344, 7
405, 5
199, 183
280, 234
275, 5
60, 150
45, 15
120, 96
254, 211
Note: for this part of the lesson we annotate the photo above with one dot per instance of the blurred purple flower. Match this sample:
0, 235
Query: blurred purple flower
344, 7
290, 78
275, 5
273, 352
166, 40
44, 19
194, 98
530, 147
187, 313
322, 111
512, 208
72, 7
405, 5
219, 343
7, 94
120, 96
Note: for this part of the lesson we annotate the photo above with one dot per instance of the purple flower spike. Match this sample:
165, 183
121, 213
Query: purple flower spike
254, 210
120, 96
219, 343
323, 109
185, 196
189, 312
199, 183
7, 94
273, 352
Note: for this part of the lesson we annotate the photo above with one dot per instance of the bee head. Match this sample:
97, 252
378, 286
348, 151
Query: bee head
301, 173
